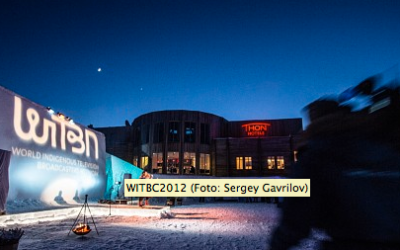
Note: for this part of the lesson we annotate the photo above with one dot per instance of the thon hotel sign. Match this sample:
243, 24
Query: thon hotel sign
255, 129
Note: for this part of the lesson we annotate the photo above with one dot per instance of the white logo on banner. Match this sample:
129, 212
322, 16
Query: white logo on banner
68, 132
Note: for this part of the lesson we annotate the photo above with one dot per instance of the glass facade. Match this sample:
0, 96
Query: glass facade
157, 163
205, 164
173, 163
190, 132
189, 163
173, 132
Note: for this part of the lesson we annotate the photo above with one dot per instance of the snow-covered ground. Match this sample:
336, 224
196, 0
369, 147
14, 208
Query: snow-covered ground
210, 225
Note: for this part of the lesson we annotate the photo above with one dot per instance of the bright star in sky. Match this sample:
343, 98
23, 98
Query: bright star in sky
99, 69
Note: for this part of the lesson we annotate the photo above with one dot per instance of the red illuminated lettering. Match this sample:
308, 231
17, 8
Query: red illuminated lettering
256, 128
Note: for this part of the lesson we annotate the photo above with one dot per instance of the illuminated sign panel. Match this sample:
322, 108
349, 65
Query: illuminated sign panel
52, 159
256, 129
78, 139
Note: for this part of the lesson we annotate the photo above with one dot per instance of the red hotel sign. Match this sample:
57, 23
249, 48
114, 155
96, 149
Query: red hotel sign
256, 128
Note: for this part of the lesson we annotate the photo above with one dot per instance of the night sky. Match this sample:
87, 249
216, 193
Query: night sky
241, 60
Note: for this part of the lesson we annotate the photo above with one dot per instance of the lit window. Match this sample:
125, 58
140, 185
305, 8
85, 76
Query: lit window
295, 156
144, 161
204, 163
189, 163
280, 162
239, 162
248, 163
271, 162
173, 163
157, 161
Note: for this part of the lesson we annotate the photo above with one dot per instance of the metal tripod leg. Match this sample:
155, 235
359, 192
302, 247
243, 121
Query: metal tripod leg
76, 219
92, 219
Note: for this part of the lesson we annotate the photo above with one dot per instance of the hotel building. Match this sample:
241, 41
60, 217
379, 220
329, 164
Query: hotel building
181, 142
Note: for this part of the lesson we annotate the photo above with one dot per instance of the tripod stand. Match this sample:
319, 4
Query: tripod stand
83, 228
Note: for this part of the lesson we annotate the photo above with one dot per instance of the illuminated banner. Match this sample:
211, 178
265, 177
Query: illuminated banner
256, 129
52, 158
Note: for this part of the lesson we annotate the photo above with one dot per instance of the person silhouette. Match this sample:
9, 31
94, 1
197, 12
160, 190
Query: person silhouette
144, 175
353, 162
76, 197
59, 199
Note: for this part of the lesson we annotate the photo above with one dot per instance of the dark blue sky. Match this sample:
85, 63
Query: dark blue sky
241, 60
